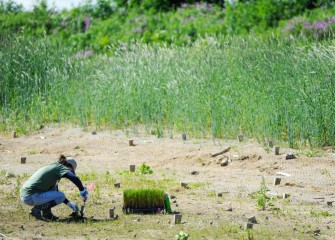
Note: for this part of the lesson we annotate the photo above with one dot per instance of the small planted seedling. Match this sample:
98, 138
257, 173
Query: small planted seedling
262, 199
23, 160
181, 236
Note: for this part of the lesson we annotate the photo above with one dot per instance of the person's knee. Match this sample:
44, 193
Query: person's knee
60, 198
27, 200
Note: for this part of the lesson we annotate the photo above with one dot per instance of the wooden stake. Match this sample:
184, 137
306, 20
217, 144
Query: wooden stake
132, 168
285, 195
183, 136
252, 219
248, 226
111, 212
23, 160
277, 181
177, 218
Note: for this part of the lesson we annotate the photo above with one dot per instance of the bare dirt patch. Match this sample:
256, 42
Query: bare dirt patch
216, 203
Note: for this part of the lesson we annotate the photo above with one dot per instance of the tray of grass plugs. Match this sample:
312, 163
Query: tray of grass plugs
145, 201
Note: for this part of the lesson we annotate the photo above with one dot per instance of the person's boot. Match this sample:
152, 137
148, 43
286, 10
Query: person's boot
43, 211
36, 212
46, 211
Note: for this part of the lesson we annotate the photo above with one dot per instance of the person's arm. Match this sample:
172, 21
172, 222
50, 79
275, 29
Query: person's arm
73, 178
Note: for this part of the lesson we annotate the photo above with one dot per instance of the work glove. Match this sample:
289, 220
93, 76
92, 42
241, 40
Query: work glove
84, 194
73, 206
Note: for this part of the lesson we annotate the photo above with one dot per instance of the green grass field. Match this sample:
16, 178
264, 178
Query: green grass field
269, 88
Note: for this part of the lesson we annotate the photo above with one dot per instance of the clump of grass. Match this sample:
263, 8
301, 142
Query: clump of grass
144, 169
325, 172
181, 236
315, 213
108, 178
198, 184
32, 152
88, 176
263, 87
143, 198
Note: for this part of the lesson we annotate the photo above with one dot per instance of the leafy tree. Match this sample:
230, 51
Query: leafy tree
162, 5
103, 9
10, 6
243, 16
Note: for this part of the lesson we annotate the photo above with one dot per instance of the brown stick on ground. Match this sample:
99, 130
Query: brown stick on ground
222, 152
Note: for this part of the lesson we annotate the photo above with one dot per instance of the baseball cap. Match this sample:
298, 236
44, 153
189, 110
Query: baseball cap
72, 162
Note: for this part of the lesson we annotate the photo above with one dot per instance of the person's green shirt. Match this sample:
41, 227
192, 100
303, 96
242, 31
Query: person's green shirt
44, 179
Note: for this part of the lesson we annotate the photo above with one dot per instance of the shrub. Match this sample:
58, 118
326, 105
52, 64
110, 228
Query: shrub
145, 169
259, 15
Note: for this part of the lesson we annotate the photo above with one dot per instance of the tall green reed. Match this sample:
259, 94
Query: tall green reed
270, 88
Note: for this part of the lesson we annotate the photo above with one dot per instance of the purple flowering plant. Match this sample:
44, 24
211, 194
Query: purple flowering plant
320, 29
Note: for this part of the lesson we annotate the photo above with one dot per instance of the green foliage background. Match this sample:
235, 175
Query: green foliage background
109, 23
220, 69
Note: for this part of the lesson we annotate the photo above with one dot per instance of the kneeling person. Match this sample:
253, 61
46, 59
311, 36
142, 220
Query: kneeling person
41, 189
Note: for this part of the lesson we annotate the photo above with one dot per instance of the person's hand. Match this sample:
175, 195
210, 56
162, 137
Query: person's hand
73, 206
84, 194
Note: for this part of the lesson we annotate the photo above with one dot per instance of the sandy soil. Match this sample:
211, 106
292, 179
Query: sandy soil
309, 181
